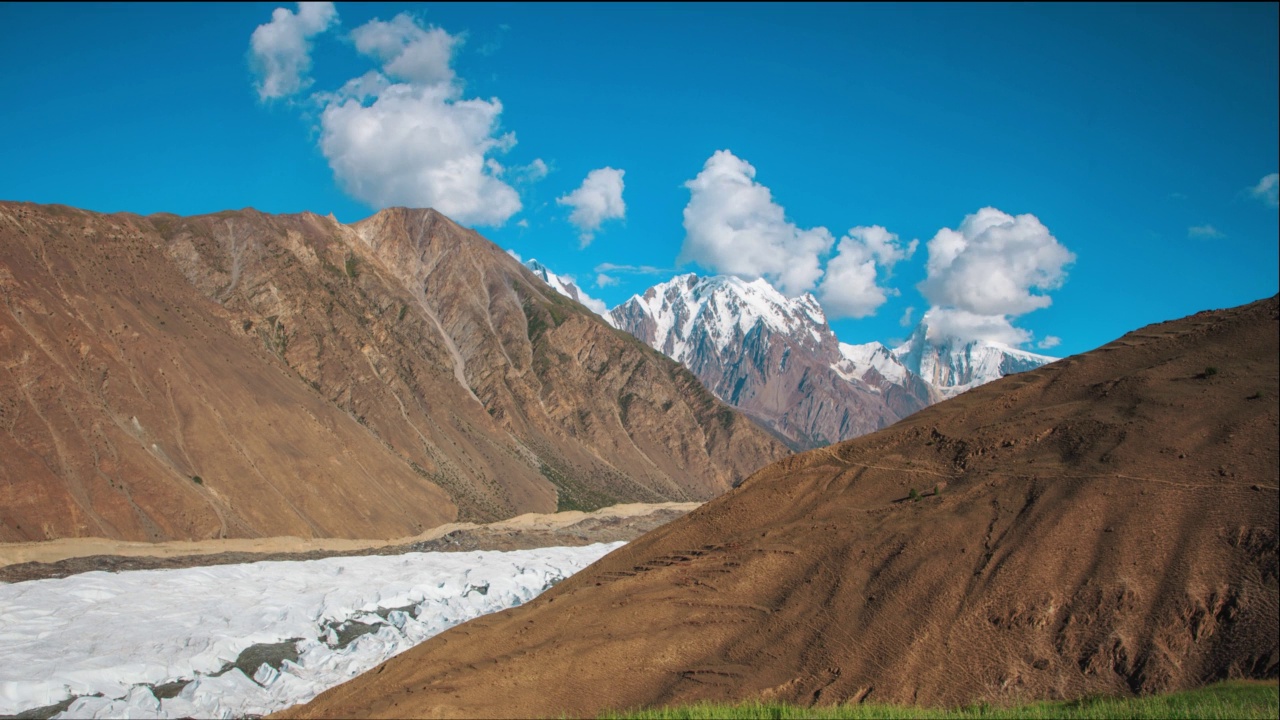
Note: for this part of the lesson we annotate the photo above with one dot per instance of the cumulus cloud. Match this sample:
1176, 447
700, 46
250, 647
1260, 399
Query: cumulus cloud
1204, 232
732, 225
992, 268
603, 280
942, 323
280, 51
407, 50
1267, 191
597, 199
905, 320
421, 146
1049, 342
993, 263
515, 255
406, 136
403, 134
849, 287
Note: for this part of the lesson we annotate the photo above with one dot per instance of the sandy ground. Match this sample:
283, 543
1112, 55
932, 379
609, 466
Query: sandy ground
59, 558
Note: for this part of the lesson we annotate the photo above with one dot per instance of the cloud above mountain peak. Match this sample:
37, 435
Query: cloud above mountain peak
993, 267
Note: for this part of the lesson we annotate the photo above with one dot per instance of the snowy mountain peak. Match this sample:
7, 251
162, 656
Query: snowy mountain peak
953, 365
857, 361
565, 286
724, 308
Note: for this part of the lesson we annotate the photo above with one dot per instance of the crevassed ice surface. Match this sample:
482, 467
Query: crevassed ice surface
221, 641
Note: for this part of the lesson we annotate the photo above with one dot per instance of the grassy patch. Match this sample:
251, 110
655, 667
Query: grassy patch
1231, 699
573, 494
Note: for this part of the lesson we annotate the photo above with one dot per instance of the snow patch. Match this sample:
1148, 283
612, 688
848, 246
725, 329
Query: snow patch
565, 285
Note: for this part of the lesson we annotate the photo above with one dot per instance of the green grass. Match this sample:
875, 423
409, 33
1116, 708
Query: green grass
1225, 700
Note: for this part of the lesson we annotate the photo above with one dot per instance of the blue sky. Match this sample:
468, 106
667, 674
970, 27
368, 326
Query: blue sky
1126, 147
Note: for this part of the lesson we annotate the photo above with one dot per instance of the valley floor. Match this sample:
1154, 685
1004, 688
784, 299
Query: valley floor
21, 562
244, 639
247, 627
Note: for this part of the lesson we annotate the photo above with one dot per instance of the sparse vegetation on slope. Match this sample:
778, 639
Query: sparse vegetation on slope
1225, 701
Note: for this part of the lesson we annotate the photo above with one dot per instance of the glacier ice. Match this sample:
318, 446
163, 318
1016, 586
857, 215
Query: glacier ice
247, 639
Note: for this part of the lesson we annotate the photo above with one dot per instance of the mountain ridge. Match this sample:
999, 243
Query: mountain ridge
771, 356
242, 374
740, 336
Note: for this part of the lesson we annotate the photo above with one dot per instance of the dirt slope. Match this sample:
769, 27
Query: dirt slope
248, 375
1106, 524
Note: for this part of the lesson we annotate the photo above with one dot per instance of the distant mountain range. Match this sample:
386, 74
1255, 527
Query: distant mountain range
776, 358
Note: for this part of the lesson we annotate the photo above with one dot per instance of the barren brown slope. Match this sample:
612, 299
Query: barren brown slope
1107, 524
246, 375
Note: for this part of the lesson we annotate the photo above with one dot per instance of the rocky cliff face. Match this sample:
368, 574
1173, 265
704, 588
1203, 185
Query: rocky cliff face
242, 374
773, 357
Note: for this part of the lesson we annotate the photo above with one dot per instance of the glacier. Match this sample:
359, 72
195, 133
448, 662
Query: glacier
250, 639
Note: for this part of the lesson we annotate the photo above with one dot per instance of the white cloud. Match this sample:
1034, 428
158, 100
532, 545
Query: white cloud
524, 223
905, 320
632, 269
732, 225
531, 173
603, 280
1049, 342
943, 323
849, 286
516, 255
993, 262
597, 199
417, 142
402, 135
1267, 190
988, 271
407, 50
1205, 232
421, 146
280, 51
596, 306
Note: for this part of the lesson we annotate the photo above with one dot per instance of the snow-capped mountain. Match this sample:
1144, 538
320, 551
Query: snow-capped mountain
776, 358
877, 367
771, 356
565, 286
953, 366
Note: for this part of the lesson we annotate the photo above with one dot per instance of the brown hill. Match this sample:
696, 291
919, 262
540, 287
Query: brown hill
1105, 524
241, 375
